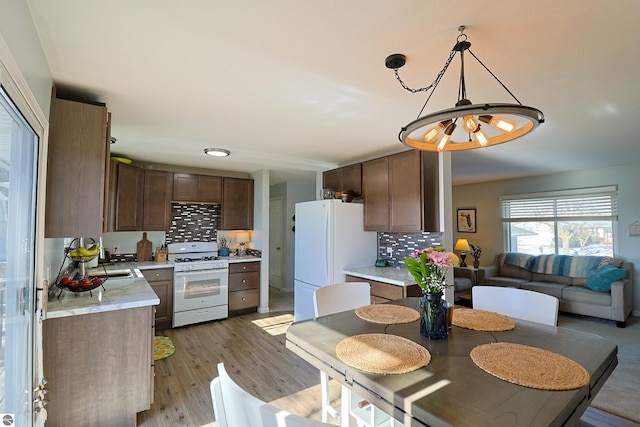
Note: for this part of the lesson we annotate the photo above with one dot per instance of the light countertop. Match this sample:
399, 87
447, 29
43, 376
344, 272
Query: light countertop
391, 275
118, 294
246, 258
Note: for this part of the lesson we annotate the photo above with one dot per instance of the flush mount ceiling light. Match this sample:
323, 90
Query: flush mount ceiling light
216, 152
481, 125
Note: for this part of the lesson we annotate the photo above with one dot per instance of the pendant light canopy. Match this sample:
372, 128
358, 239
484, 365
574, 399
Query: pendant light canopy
467, 125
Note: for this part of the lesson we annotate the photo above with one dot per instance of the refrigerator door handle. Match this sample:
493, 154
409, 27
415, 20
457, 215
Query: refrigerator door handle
327, 242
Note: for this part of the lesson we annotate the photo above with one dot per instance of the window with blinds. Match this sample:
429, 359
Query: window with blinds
572, 222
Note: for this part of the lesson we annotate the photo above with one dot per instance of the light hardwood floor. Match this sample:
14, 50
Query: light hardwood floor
255, 356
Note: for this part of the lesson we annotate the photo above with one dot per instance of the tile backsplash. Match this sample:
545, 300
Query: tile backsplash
194, 222
403, 244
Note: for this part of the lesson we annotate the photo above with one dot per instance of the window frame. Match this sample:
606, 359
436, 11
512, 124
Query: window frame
589, 204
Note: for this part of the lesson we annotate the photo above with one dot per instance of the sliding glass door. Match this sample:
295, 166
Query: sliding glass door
18, 178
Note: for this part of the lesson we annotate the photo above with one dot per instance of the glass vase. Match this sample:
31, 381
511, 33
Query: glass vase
433, 316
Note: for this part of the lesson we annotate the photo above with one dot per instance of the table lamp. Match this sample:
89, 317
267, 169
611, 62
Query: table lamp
462, 245
242, 238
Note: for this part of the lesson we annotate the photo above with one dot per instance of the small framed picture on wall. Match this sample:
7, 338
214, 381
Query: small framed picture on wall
467, 220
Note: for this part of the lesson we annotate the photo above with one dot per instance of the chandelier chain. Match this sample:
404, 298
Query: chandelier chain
435, 81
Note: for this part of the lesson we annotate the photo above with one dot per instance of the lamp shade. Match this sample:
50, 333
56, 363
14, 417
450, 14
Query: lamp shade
462, 245
243, 237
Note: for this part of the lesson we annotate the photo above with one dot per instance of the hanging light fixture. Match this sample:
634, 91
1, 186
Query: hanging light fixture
477, 125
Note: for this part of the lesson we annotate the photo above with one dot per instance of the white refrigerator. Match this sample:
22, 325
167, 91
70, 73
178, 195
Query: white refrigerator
329, 237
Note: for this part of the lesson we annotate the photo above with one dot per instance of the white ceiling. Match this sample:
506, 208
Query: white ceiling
299, 86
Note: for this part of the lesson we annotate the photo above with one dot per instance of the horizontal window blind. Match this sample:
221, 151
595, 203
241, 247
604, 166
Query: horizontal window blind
599, 204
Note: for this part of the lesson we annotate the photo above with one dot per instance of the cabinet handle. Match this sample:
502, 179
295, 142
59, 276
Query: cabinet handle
244, 299
244, 281
244, 267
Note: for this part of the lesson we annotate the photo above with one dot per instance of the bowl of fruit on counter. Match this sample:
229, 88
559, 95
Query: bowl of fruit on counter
80, 285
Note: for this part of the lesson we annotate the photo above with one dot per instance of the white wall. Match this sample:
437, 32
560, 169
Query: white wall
291, 193
485, 198
19, 34
260, 235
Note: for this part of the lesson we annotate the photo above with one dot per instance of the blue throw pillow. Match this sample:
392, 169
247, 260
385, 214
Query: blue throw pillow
601, 279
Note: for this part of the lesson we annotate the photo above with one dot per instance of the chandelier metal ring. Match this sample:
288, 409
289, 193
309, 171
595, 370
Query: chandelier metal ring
532, 117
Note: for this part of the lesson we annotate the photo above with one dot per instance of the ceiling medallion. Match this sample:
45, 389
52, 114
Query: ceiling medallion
477, 125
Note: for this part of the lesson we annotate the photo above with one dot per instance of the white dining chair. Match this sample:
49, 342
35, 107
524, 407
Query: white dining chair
519, 303
333, 299
234, 407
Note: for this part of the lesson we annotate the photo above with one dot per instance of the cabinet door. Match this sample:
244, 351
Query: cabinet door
344, 179
164, 310
157, 200
431, 191
352, 179
209, 189
185, 187
129, 182
116, 348
161, 281
405, 192
237, 204
332, 179
375, 190
78, 154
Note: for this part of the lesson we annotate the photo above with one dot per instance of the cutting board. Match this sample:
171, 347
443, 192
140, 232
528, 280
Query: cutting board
144, 249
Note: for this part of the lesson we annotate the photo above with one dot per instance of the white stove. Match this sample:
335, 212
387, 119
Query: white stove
201, 283
191, 256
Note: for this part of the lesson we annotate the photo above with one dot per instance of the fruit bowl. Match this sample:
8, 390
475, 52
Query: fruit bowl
82, 285
84, 254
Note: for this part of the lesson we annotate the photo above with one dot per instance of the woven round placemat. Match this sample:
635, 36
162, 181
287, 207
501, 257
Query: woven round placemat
388, 314
481, 320
382, 353
530, 366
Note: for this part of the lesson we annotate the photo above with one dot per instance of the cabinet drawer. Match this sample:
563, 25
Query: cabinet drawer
243, 299
386, 290
156, 274
241, 267
242, 281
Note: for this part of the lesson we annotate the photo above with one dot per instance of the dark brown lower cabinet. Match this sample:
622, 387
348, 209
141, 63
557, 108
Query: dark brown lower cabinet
161, 281
99, 367
244, 285
383, 292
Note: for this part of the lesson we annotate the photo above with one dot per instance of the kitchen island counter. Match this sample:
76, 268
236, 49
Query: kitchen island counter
118, 294
387, 283
390, 275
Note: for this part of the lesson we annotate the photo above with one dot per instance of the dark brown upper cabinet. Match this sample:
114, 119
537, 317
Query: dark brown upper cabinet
126, 197
158, 189
401, 192
77, 169
197, 188
237, 204
140, 200
344, 179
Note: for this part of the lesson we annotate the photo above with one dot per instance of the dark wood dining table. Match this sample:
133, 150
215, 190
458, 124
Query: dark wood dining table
451, 390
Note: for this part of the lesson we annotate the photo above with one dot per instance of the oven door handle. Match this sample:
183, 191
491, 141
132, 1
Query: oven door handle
197, 272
